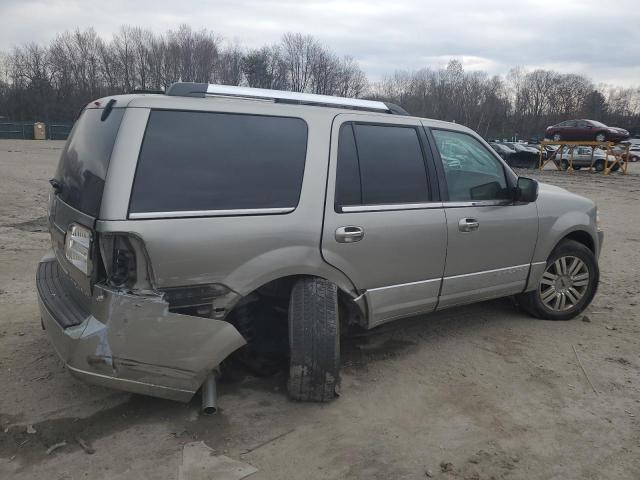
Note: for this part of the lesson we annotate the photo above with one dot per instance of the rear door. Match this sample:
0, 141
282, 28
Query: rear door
490, 239
384, 225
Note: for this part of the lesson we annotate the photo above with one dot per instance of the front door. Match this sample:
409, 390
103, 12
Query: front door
384, 225
490, 239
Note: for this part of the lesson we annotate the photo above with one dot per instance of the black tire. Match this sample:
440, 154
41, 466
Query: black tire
314, 340
599, 165
601, 137
532, 303
577, 167
635, 158
556, 137
564, 164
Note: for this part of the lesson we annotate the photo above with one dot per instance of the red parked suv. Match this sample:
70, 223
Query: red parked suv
585, 130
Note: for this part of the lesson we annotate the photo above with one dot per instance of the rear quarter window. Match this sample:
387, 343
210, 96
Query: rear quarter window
203, 161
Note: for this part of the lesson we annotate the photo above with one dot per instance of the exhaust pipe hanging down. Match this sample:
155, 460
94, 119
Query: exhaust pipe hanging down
210, 394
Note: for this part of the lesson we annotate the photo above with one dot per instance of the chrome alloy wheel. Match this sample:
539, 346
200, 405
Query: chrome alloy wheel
564, 283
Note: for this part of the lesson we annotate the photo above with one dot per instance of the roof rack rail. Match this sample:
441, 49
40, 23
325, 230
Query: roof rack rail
191, 89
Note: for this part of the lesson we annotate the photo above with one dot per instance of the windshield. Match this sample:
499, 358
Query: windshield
85, 159
596, 124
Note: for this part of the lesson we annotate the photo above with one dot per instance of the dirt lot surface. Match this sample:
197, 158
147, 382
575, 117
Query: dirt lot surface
478, 392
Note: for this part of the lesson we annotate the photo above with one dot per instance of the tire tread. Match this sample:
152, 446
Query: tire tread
314, 340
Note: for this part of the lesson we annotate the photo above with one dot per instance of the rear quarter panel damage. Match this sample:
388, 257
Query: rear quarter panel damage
136, 338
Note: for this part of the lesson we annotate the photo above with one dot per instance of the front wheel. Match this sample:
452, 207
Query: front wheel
567, 286
601, 137
557, 137
314, 340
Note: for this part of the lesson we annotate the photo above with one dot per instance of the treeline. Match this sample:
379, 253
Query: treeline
52, 82
520, 104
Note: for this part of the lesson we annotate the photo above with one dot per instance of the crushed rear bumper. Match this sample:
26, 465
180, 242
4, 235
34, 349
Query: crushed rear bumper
130, 342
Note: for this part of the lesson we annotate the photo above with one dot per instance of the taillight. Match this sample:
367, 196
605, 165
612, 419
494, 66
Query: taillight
77, 247
124, 260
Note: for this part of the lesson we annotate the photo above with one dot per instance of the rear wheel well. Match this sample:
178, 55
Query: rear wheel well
261, 317
582, 237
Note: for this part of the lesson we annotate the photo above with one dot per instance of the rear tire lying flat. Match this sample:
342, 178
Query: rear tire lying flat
314, 340
568, 285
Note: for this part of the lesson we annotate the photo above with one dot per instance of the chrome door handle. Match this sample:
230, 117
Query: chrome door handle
349, 234
468, 225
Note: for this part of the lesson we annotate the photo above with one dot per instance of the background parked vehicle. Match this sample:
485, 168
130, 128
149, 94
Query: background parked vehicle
634, 153
582, 158
524, 156
521, 147
585, 130
502, 150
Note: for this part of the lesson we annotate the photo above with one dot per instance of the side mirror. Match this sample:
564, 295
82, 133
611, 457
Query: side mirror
526, 190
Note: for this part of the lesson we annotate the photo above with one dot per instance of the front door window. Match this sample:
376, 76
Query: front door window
471, 171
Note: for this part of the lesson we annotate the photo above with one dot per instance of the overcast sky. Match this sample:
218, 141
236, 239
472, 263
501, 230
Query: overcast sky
597, 38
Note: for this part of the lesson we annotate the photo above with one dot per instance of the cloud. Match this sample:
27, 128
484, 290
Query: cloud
581, 36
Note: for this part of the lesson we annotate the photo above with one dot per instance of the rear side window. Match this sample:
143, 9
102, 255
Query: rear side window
199, 161
380, 164
85, 159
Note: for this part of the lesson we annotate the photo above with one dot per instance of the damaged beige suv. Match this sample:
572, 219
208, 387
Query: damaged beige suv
179, 221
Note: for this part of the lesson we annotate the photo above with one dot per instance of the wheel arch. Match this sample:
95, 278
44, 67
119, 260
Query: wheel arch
578, 234
279, 287
604, 132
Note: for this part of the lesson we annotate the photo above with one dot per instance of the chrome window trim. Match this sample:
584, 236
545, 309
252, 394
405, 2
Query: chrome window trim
390, 207
210, 213
419, 282
477, 203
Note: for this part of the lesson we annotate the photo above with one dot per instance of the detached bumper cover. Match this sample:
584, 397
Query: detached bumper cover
130, 342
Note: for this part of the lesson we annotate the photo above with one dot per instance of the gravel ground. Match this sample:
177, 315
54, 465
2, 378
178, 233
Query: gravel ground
477, 392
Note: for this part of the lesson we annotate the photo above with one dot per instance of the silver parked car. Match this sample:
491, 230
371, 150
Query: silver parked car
179, 221
586, 157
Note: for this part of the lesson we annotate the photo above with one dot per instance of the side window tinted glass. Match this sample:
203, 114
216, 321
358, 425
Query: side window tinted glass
472, 172
195, 161
392, 167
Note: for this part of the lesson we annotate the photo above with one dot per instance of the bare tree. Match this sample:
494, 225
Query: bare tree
55, 80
